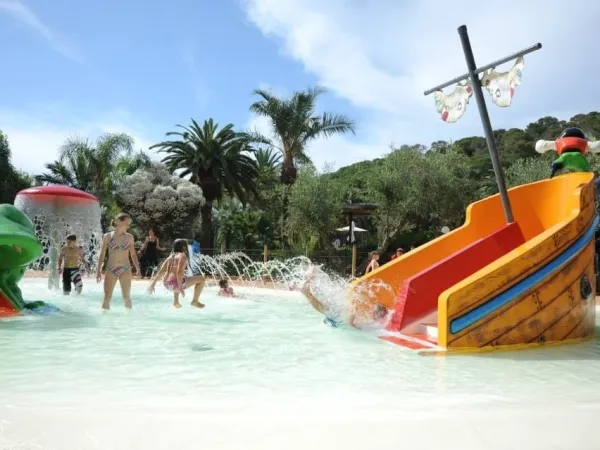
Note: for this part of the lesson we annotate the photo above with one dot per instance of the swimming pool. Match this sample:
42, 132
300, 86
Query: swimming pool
266, 366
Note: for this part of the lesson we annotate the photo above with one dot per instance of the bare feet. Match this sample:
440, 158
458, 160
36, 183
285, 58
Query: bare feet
176, 305
197, 304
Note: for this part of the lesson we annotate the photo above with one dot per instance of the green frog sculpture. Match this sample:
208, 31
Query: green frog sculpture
572, 148
19, 247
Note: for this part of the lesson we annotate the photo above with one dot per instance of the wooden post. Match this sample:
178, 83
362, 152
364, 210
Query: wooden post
306, 252
265, 253
352, 210
353, 260
223, 248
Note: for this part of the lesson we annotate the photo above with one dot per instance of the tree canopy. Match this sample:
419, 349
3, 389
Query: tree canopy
264, 190
11, 180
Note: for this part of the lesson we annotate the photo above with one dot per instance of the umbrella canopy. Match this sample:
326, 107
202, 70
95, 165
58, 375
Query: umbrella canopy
354, 228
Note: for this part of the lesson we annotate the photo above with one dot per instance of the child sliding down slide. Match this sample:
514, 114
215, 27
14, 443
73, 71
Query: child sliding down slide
377, 319
174, 278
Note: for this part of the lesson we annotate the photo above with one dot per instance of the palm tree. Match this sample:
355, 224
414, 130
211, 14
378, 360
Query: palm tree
75, 170
267, 159
216, 160
295, 123
269, 163
127, 165
89, 166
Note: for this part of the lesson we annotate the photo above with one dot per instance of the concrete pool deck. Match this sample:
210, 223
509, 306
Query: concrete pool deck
532, 427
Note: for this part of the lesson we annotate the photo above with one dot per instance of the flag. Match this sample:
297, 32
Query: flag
501, 85
452, 107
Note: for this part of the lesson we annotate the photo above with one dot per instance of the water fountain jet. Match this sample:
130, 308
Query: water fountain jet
57, 211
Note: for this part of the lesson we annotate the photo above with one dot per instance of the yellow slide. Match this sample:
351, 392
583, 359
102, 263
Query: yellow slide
487, 284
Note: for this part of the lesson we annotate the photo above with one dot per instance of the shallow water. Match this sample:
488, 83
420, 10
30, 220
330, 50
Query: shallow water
269, 345
266, 352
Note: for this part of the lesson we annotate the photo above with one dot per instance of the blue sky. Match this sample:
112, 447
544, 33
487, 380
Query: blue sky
72, 67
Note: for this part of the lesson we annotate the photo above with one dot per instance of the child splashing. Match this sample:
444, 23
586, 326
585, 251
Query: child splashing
174, 278
333, 315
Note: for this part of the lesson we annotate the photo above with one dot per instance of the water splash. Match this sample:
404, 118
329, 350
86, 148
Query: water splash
52, 225
330, 288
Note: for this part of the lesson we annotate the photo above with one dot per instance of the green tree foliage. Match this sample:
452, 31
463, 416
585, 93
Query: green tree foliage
157, 199
240, 226
315, 207
295, 124
217, 160
95, 167
87, 165
419, 190
11, 180
529, 170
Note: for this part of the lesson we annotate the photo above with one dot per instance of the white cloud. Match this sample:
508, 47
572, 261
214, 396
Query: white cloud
36, 134
20, 12
381, 58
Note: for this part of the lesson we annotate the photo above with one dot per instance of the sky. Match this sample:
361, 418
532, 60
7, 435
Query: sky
83, 68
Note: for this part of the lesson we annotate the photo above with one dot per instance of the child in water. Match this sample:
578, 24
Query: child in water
120, 247
72, 256
174, 278
225, 290
377, 318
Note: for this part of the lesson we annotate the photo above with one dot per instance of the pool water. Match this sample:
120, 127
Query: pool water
267, 354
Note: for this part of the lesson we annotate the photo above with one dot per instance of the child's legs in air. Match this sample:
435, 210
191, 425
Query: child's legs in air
198, 282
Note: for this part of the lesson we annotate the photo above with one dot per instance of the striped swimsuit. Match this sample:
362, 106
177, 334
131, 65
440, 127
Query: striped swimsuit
118, 270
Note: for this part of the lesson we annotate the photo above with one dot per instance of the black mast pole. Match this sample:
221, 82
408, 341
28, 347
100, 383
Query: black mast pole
485, 121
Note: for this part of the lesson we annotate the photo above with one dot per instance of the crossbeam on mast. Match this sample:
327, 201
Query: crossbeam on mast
473, 75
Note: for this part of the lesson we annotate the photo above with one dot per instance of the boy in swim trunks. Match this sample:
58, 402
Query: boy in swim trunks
72, 255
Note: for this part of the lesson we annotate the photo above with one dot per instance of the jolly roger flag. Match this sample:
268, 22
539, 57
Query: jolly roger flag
452, 107
500, 85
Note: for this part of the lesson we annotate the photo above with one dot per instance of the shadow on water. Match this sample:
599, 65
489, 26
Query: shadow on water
198, 320
583, 351
201, 348
55, 321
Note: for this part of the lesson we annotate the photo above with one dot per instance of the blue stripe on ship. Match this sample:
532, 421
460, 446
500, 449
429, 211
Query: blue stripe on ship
487, 308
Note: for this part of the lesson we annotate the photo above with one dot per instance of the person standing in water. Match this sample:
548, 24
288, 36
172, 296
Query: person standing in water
174, 279
149, 254
374, 263
121, 254
72, 256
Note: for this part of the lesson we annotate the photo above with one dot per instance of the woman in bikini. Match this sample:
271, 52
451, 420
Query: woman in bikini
121, 252
174, 279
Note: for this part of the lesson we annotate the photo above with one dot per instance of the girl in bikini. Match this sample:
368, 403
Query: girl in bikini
120, 247
174, 279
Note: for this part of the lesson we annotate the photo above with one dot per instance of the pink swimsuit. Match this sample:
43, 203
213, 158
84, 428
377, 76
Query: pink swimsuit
172, 285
